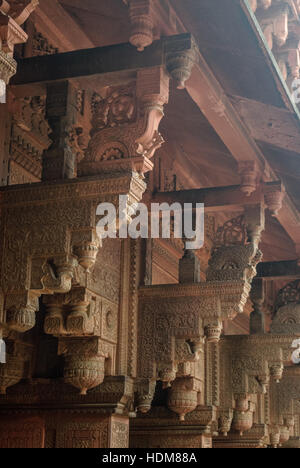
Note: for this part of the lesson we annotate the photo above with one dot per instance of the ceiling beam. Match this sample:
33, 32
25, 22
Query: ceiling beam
101, 61
229, 198
276, 270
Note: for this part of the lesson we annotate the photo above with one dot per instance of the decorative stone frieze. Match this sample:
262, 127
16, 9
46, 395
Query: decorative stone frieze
29, 137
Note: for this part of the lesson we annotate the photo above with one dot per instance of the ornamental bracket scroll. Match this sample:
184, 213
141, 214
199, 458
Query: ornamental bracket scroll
174, 320
256, 362
125, 125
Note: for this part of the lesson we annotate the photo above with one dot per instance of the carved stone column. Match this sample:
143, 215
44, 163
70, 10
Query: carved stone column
189, 268
59, 161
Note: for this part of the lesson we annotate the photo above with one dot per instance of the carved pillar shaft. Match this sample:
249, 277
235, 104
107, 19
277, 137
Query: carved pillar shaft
59, 161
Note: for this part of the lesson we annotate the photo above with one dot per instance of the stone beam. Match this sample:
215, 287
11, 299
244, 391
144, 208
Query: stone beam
228, 198
269, 124
288, 269
98, 61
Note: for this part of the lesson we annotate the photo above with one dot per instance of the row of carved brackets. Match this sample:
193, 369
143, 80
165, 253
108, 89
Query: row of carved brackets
253, 368
175, 320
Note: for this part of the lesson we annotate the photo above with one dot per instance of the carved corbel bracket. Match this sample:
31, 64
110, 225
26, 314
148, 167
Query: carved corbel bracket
249, 174
125, 125
15, 369
242, 421
213, 330
144, 390
225, 421
180, 60
183, 396
84, 361
70, 314
256, 364
142, 23
58, 274
274, 195
86, 245
20, 311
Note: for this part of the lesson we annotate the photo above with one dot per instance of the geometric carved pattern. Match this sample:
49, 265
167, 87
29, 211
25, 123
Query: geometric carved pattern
233, 232
287, 319
82, 435
288, 294
22, 433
